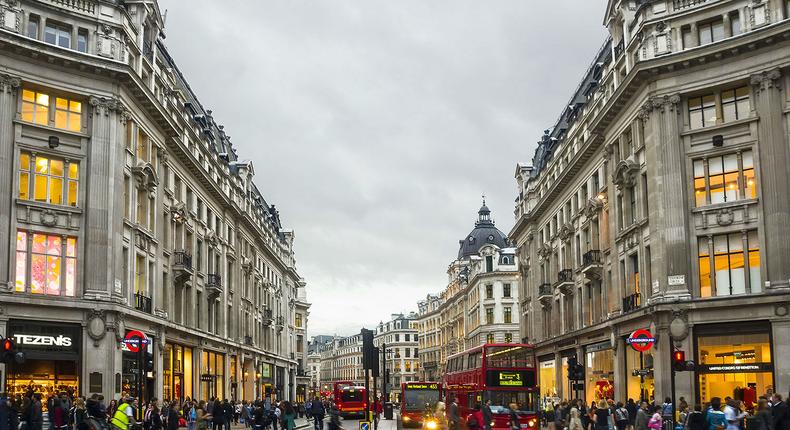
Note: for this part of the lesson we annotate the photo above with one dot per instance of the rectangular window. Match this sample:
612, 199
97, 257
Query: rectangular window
57, 35
735, 24
490, 338
68, 114
688, 42
50, 180
725, 179
139, 275
711, 32
702, 111
82, 40
35, 107
506, 290
142, 145
32, 27
298, 321
489, 315
729, 257
46, 264
489, 291
508, 315
735, 104
508, 337
489, 263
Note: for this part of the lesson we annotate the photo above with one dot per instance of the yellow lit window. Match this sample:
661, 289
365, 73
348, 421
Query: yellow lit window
68, 114
51, 178
139, 275
142, 145
727, 178
35, 107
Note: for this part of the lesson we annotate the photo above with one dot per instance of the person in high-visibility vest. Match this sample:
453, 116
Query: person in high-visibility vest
123, 418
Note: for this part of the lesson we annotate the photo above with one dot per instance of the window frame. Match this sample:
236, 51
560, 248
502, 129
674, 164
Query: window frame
745, 180
66, 179
702, 104
748, 255
50, 110
62, 31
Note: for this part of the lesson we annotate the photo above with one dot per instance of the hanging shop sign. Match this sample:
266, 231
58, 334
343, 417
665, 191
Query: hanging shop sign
641, 340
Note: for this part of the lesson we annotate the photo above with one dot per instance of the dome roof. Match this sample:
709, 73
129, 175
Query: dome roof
483, 234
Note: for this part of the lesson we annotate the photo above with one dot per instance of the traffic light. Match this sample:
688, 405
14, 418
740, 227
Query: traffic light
369, 357
149, 362
679, 363
9, 352
572, 363
579, 373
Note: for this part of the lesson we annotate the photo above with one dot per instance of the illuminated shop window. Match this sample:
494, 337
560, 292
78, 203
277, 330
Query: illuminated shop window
45, 264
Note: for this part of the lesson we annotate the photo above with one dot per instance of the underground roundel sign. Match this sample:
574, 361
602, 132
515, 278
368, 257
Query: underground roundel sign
134, 339
641, 340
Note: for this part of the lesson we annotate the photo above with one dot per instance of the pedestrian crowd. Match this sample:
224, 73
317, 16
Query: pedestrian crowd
64, 412
770, 412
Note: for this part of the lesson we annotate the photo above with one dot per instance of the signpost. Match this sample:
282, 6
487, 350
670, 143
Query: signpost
641, 340
137, 342
364, 425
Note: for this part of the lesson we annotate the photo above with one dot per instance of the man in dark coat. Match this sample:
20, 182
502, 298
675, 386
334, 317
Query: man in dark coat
781, 413
452, 415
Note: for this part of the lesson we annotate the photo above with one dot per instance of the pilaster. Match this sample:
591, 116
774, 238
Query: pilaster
669, 187
9, 88
774, 156
102, 211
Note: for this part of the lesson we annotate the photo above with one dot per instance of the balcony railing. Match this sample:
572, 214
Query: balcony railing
565, 275
86, 6
684, 4
631, 303
544, 290
182, 258
142, 303
214, 284
591, 257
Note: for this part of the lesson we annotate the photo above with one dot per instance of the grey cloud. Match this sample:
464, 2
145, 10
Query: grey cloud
375, 125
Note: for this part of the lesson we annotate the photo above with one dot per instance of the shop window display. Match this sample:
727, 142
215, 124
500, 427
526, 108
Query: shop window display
734, 365
212, 375
599, 373
177, 372
548, 381
46, 377
640, 378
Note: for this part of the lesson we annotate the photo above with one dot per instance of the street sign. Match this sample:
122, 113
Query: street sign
364, 425
135, 338
642, 372
641, 340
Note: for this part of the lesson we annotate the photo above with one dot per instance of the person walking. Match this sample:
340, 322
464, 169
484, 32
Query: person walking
656, 421
57, 416
452, 415
515, 423
575, 422
288, 416
733, 415
228, 411
695, 420
488, 416
172, 417
77, 414
641, 419
621, 416
631, 407
714, 417
318, 412
762, 418
601, 417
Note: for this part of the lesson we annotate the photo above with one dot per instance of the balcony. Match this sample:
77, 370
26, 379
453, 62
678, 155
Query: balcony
182, 266
618, 50
592, 264
83, 6
545, 294
142, 303
632, 303
267, 317
213, 285
685, 4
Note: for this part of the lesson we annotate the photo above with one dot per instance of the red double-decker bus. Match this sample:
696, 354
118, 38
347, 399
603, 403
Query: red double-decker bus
417, 399
505, 374
349, 398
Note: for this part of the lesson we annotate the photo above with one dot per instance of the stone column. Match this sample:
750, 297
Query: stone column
774, 176
780, 330
620, 372
668, 188
662, 366
103, 214
559, 378
9, 88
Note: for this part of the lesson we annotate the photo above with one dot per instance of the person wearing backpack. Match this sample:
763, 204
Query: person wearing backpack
191, 415
695, 420
475, 420
621, 416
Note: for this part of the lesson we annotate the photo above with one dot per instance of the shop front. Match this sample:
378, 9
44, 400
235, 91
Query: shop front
130, 362
267, 379
599, 371
639, 371
177, 372
734, 360
547, 378
53, 358
212, 375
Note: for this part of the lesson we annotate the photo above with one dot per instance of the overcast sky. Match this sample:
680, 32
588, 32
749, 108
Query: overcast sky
375, 126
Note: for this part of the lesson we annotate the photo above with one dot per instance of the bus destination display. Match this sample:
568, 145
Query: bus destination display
507, 378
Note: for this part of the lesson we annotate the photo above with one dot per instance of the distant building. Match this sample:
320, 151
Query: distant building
400, 336
479, 304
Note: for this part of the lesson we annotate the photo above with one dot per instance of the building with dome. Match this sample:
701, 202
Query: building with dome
478, 305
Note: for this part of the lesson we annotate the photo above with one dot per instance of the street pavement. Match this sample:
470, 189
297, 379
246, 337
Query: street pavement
348, 424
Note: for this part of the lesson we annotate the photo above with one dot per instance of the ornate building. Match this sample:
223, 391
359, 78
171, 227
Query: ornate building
128, 214
658, 202
479, 304
402, 364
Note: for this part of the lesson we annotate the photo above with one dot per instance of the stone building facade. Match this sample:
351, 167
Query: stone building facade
658, 201
399, 336
127, 213
479, 304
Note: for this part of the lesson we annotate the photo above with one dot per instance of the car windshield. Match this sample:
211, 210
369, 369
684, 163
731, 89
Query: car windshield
417, 400
501, 400
351, 396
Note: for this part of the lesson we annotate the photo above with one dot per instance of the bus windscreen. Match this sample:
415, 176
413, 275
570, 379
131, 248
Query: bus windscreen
420, 399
